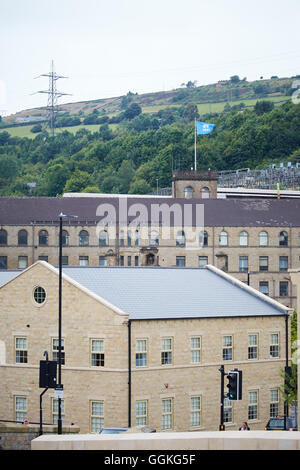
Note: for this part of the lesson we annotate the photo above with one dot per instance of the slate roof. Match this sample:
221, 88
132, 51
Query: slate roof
217, 212
148, 293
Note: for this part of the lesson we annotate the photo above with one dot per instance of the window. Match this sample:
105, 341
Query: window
21, 351
264, 287
121, 260
141, 412
22, 262
22, 237
188, 192
103, 238
227, 410
20, 409
3, 262
97, 416
180, 238
243, 238
102, 261
205, 192
253, 405
154, 238
83, 260
203, 238
195, 413
243, 263
166, 414
274, 345
55, 347
202, 261
128, 260
65, 238
39, 295
43, 258
263, 239
166, 351
83, 238
136, 261
122, 238
141, 353
274, 402
283, 239
223, 238
283, 288
65, 260
98, 352
283, 263
43, 238
129, 238
136, 238
195, 349
180, 261
55, 410
263, 263
227, 348
3, 237
252, 346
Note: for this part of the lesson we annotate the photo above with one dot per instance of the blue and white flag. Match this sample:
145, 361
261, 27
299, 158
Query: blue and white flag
204, 127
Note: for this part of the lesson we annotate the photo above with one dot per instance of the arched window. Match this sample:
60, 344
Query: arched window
154, 238
283, 239
65, 238
223, 238
180, 238
243, 238
203, 238
103, 238
83, 238
263, 239
188, 192
3, 237
205, 193
22, 237
43, 238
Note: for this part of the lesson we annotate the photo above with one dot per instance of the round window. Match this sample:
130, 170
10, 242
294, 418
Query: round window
39, 295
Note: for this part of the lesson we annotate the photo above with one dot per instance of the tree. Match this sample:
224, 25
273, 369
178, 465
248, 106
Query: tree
140, 186
132, 111
37, 128
235, 79
8, 169
190, 112
78, 181
262, 107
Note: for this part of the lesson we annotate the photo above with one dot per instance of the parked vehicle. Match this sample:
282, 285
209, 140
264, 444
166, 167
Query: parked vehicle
277, 424
113, 430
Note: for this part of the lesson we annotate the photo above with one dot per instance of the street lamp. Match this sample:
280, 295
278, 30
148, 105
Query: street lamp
59, 387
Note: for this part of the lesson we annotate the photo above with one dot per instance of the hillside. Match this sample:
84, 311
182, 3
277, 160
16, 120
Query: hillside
209, 98
135, 144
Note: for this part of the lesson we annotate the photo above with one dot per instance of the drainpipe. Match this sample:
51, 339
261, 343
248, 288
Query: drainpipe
286, 369
129, 373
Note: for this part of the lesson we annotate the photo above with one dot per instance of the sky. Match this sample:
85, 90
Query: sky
107, 48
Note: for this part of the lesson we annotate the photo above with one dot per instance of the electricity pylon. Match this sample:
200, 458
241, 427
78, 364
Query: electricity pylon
53, 95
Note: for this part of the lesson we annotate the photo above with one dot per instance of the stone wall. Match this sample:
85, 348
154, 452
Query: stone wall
19, 436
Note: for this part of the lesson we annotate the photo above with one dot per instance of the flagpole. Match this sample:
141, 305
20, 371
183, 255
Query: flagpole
195, 146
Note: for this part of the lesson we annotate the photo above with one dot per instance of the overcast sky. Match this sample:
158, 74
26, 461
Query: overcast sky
107, 48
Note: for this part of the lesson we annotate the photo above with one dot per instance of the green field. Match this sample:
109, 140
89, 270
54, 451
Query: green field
24, 131
205, 108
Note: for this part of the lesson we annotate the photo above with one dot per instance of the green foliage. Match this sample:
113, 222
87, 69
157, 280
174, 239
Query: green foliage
146, 147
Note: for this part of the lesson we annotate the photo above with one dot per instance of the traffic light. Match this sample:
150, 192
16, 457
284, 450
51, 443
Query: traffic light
234, 385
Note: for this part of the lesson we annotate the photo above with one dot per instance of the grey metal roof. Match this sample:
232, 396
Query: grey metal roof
217, 212
148, 293
153, 293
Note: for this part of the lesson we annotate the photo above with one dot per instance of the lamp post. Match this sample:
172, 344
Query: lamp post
59, 387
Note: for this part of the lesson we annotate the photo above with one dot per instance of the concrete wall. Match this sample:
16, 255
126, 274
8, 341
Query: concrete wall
228, 440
